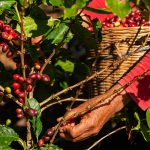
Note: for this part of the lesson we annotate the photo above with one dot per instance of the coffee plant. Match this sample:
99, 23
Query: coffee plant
38, 68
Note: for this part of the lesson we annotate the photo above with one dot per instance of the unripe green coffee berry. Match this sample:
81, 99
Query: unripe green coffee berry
8, 90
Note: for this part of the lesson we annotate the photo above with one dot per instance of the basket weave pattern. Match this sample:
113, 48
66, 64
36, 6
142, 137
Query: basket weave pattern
116, 42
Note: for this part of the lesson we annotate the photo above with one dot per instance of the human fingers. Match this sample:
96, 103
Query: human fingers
72, 132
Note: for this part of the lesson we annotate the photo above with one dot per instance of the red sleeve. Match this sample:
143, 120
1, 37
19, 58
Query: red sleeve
97, 4
139, 90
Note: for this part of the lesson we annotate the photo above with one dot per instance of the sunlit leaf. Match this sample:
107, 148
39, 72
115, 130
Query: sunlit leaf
6, 4
66, 65
7, 136
148, 117
119, 8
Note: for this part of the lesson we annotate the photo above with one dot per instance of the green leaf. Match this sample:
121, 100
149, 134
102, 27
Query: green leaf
34, 27
56, 2
145, 132
66, 65
98, 10
148, 117
63, 84
7, 136
119, 8
36, 121
138, 126
21, 2
71, 12
82, 3
57, 35
6, 4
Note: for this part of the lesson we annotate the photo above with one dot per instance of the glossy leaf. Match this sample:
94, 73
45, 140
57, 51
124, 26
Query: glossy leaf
145, 132
66, 65
138, 126
7, 136
34, 27
57, 35
36, 120
56, 2
6, 4
71, 12
82, 3
148, 117
119, 8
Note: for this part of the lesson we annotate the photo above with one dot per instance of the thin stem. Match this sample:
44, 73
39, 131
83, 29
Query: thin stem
48, 61
62, 100
107, 135
22, 43
17, 12
29, 137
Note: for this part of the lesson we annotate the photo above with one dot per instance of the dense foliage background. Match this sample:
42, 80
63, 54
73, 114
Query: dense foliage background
59, 62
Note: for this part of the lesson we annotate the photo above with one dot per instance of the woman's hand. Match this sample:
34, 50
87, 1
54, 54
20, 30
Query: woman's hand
92, 122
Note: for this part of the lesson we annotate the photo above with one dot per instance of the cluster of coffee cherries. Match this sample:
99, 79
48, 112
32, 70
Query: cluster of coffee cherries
50, 132
134, 19
7, 36
29, 111
23, 86
46, 137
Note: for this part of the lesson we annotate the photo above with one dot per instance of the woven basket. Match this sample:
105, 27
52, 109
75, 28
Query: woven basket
115, 42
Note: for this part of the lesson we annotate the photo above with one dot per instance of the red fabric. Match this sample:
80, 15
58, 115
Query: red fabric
97, 4
139, 90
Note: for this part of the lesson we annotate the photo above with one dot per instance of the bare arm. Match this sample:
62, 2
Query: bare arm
92, 122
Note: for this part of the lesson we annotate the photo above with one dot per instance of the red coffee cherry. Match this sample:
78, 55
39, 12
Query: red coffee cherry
16, 85
13, 34
19, 110
29, 88
9, 54
31, 112
17, 91
7, 28
20, 79
21, 100
40, 142
20, 115
1, 24
38, 76
33, 76
46, 138
50, 132
28, 80
45, 78
16, 77
5, 48
21, 95
5, 35
36, 112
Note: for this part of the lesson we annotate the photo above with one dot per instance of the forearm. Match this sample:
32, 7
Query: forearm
113, 102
